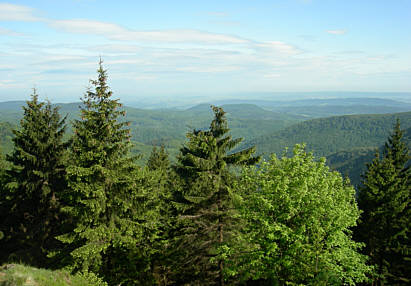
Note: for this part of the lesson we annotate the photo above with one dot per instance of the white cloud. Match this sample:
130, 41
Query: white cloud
208, 69
280, 47
336, 32
9, 83
11, 12
7, 32
116, 32
83, 26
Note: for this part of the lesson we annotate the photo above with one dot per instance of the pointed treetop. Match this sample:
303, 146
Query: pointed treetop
395, 148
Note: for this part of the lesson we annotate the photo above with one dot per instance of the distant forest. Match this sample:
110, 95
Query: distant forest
125, 196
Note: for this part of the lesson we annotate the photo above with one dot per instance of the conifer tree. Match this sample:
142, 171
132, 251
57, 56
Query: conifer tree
161, 181
103, 190
385, 222
3, 210
204, 201
35, 183
397, 150
158, 159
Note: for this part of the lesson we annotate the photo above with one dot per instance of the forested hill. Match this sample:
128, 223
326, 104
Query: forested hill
326, 136
5, 136
318, 108
353, 163
169, 126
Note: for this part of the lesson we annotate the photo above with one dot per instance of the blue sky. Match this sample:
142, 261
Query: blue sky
203, 48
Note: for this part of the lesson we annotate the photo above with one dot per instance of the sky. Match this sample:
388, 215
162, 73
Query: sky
166, 49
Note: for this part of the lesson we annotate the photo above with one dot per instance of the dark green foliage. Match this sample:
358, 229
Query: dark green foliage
329, 135
162, 180
170, 126
104, 190
204, 202
158, 159
35, 182
351, 163
396, 149
6, 136
385, 202
3, 209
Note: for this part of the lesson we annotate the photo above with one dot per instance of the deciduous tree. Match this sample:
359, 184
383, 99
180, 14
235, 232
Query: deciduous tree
298, 216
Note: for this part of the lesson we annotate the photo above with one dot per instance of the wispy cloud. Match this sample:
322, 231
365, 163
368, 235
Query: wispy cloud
116, 32
8, 32
227, 23
218, 14
280, 47
164, 59
12, 12
336, 32
209, 69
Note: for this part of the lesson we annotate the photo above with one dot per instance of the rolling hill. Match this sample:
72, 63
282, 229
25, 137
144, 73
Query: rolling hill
348, 142
352, 163
168, 127
326, 136
317, 108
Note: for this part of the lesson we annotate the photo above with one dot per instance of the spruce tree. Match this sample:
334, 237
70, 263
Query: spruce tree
35, 182
204, 200
161, 181
158, 159
385, 222
3, 210
103, 190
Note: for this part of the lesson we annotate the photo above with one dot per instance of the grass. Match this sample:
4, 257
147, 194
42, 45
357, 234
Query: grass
20, 275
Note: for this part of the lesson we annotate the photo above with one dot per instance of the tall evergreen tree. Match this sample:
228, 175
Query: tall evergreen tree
204, 201
103, 190
396, 149
3, 210
158, 159
385, 222
161, 181
35, 183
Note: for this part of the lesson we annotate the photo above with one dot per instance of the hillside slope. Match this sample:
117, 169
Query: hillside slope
169, 126
353, 163
329, 135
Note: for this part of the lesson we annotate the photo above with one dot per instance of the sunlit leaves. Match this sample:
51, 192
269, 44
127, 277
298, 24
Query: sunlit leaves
299, 216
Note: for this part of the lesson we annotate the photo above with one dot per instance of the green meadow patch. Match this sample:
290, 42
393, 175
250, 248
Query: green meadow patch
20, 275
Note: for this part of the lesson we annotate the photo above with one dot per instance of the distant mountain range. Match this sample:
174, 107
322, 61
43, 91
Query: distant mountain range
347, 141
184, 101
169, 126
317, 108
